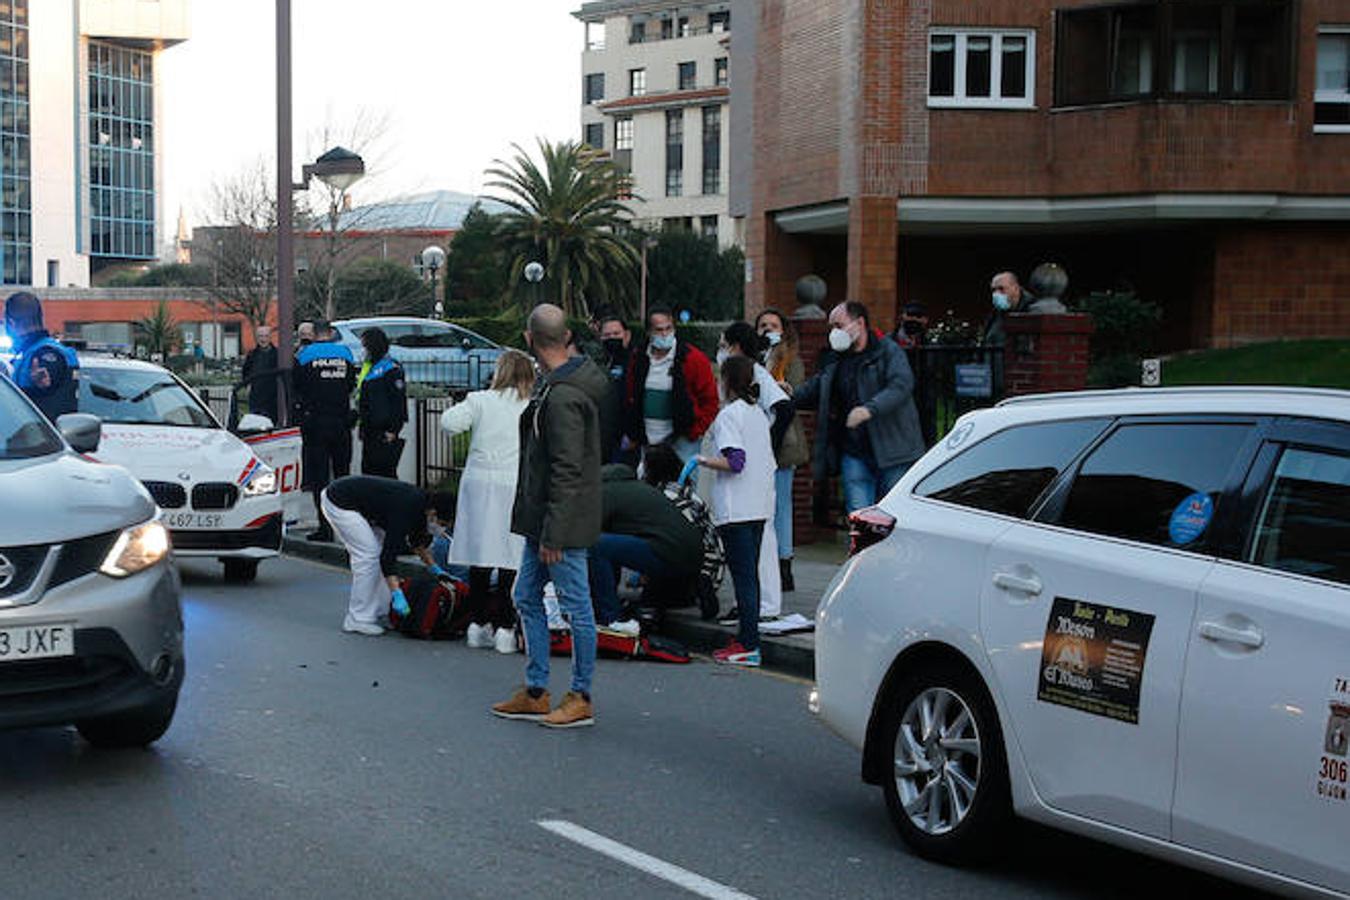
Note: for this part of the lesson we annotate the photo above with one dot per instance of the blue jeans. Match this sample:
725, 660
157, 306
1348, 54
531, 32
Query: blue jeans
574, 597
740, 541
610, 554
865, 483
782, 511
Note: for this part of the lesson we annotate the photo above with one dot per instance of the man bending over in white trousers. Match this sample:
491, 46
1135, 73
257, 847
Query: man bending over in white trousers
377, 519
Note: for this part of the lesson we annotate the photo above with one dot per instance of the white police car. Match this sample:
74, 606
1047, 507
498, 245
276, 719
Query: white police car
1124, 614
218, 498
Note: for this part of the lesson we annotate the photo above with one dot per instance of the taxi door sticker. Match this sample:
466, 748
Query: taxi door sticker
1092, 659
1333, 772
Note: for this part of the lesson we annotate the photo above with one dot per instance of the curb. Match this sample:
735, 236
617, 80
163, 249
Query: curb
780, 654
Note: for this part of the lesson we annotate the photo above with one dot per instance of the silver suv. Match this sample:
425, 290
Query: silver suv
91, 630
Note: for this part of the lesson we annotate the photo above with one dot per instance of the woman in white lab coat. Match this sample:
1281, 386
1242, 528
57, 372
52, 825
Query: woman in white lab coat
482, 538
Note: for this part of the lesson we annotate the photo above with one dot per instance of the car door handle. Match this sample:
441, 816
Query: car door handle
1018, 584
1246, 637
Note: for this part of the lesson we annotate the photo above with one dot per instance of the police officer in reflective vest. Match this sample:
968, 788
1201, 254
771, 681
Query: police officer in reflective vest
42, 368
325, 373
383, 405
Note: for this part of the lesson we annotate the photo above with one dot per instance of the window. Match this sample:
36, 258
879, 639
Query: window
674, 152
16, 245
1331, 103
682, 25
719, 22
1007, 472
1305, 521
712, 150
1235, 49
623, 133
667, 29
688, 76
637, 31
981, 69
121, 152
595, 35
720, 77
593, 88
637, 82
1143, 478
595, 135
708, 227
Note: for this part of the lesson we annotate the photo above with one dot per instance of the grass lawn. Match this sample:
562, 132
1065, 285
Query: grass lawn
1324, 363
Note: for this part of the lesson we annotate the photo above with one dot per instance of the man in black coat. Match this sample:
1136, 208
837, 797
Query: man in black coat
260, 374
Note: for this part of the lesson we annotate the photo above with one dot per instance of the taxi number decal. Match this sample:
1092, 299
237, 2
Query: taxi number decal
1333, 769
1092, 659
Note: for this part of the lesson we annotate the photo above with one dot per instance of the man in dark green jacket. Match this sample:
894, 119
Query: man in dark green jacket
643, 531
557, 510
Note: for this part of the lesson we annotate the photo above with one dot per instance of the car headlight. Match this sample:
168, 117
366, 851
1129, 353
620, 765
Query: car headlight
263, 482
136, 549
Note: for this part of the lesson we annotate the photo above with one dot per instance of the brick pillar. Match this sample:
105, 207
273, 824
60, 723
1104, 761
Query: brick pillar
811, 337
1046, 353
874, 258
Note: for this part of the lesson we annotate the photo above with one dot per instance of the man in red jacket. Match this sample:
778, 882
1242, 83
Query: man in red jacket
671, 395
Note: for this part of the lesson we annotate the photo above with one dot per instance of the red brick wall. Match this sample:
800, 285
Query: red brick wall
1280, 282
1046, 354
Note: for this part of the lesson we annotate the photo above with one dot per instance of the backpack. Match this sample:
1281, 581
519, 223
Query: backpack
695, 512
435, 609
622, 646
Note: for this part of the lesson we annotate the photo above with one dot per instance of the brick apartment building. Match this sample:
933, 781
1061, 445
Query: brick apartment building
1196, 150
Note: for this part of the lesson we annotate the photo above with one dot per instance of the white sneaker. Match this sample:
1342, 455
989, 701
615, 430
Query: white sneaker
629, 627
479, 637
356, 626
506, 640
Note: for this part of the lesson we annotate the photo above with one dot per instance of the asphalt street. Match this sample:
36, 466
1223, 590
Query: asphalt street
305, 762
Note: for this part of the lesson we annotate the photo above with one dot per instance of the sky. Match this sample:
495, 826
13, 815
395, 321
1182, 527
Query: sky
456, 81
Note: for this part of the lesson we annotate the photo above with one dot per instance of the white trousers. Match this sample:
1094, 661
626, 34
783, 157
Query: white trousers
370, 591
770, 577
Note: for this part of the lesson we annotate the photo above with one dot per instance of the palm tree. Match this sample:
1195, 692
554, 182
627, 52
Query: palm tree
159, 331
568, 216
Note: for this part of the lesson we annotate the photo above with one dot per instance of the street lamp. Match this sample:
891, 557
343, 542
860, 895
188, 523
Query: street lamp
433, 258
338, 169
534, 273
648, 242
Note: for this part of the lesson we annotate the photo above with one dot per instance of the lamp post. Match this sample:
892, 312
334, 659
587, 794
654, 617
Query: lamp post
534, 274
648, 242
433, 258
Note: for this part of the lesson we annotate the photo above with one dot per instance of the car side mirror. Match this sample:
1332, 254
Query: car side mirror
254, 424
81, 431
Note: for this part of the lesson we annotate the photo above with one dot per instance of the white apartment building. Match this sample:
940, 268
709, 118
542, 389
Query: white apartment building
80, 168
655, 92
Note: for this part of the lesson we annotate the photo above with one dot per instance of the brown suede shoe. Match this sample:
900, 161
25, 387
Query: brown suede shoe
523, 706
574, 712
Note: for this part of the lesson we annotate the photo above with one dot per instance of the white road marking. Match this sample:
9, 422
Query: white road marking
690, 881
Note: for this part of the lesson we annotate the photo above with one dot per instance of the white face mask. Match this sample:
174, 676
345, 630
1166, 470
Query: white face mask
773, 337
840, 340
723, 354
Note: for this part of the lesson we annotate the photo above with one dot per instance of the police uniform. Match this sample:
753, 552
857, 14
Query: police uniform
325, 373
383, 405
47, 372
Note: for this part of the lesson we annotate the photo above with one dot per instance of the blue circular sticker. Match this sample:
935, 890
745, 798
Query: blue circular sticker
1190, 519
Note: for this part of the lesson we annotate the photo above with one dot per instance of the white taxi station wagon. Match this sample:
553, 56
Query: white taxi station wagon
217, 497
1124, 614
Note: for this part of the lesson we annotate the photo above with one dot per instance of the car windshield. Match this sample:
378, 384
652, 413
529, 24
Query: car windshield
24, 432
140, 397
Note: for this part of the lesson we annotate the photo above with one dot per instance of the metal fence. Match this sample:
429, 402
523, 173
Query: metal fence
950, 381
440, 456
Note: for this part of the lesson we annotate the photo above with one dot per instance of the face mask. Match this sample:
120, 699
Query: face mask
773, 337
914, 329
663, 342
1001, 301
614, 347
723, 354
840, 340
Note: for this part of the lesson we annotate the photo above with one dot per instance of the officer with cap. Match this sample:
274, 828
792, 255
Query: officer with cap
325, 374
42, 368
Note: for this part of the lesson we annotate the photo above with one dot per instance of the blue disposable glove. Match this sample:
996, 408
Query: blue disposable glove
437, 571
689, 469
400, 602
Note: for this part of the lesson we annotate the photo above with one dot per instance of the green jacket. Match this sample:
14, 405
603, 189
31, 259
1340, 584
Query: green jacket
558, 488
637, 509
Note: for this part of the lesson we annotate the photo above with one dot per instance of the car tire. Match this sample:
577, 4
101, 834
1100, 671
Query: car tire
240, 571
947, 789
134, 728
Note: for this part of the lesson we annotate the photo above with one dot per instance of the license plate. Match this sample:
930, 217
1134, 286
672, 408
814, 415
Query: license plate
192, 520
36, 642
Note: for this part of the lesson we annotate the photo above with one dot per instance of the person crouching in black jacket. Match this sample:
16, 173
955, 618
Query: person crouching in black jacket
382, 407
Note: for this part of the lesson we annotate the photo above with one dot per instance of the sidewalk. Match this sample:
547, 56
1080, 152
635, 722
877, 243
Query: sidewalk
792, 654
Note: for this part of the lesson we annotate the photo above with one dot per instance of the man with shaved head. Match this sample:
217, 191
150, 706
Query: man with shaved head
557, 510
1008, 297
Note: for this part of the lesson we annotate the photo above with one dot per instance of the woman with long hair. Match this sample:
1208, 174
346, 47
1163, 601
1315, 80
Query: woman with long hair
382, 404
482, 538
784, 363
742, 497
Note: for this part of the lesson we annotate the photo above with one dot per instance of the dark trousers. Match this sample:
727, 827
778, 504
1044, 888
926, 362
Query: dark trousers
740, 541
380, 457
488, 607
610, 555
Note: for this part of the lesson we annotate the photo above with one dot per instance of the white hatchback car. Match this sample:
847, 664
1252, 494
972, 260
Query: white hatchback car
1124, 614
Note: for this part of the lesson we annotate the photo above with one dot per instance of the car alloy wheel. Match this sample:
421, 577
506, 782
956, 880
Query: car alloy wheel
937, 761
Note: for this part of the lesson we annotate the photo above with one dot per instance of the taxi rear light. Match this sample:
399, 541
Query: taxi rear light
867, 527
